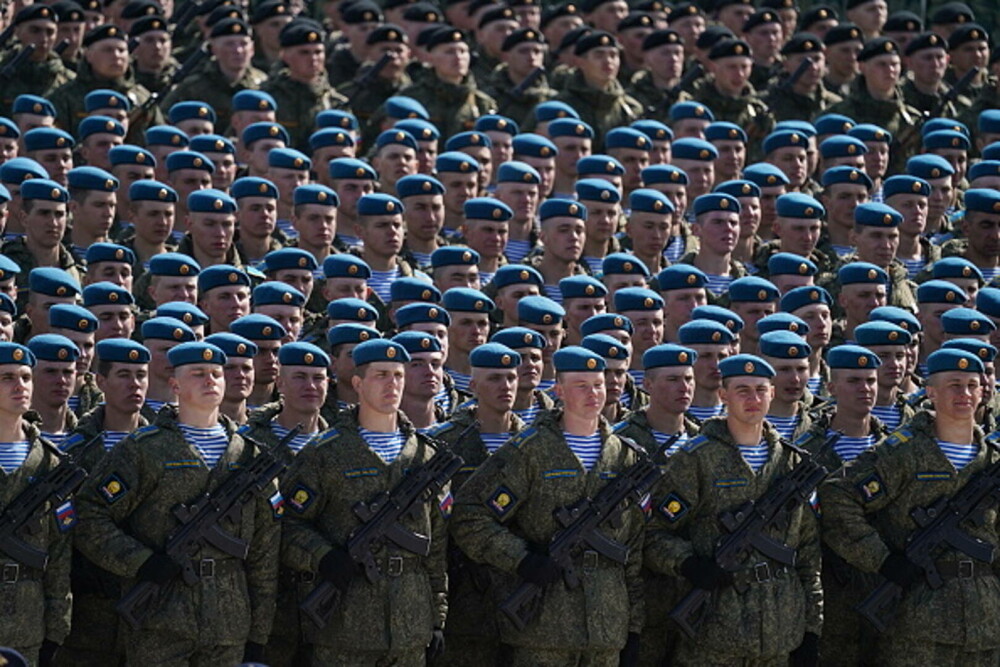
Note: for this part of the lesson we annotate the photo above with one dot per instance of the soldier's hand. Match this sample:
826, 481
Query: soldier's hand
705, 573
338, 568
158, 568
253, 652
900, 570
629, 656
47, 653
807, 654
539, 569
436, 648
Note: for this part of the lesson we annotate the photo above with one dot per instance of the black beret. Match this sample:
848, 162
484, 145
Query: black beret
759, 18
635, 20
570, 39
444, 35
387, 32
362, 11
521, 36
968, 32
712, 35
684, 10
778, 4
68, 11
843, 32
104, 32
560, 10
36, 13
927, 40
423, 12
139, 8
729, 47
659, 38
879, 46
802, 42
149, 24
953, 12
594, 40
227, 27
501, 13
903, 21
268, 10
817, 14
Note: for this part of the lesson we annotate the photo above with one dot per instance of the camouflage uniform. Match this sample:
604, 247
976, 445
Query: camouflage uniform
36, 603
601, 109
32, 78
506, 510
68, 98
764, 623
737, 269
90, 395
17, 250
483, 67
656, 102
785, 104
747, 111
186, 247
391, 620
498, 85
633, 398
901, 292
956, 624
341, 65
211, 86
125, 510
367, 103
926, 104
299, 103
157, 82
453, 108
823, 261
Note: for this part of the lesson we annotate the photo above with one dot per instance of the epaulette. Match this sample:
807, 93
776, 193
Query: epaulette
436, 430
522, 437
244, 429
804, 438
326, 435
694, 443
468, 404
899, 436
914, 399
145, 431
73, 441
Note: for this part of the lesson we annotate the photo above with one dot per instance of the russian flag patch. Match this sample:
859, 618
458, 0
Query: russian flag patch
277, 504
66, 516
446, 504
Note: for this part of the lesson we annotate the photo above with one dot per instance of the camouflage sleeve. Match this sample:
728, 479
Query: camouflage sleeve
485, 505
808, 565
437, 561
633, 571
302, 545
674, 505
58, 600
262, 564
117, 487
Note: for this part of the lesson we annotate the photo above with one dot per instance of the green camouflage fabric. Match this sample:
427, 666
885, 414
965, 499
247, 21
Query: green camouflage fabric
988, 97
705, 478
633, 398
186, 247
453, 108
211, 86
367, 103
601, 109
737, 269
969, 93
655, 101
506, 509
901, 291
68, 98
927, 104
341, 65
37, 603
90, 395
867, 514
785, 104
17, 250
483, 66
299, 103
125, 508
747, 111
31, 78
498, 85
157, 82
396, 613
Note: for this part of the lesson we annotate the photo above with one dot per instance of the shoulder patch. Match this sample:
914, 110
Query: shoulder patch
65, 516
619, 427
871, 487
522, 437
731, 483
145, 431
277, 504
113, 488
899, 436
445, 505
326, 436
175, 465
502, 501
302, 497
803, 439
244, 429
674, 507
694, 443
933, 476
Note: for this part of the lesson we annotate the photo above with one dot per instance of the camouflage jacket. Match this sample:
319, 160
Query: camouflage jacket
68, 98
453, 108
636, 426
633, 396
902, 292
258, 427
748, 111
299, 103
601, 109
785, 104
498, 85
367, 102
31, 78
813, 439
210, 85
925, 103
90, 395
341, 65
655, 101
17, 250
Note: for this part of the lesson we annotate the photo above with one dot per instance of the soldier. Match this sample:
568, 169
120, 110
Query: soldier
98, 135
43, 72
120, 494
154, 66
424, 380
712, 342
171, 277
620, 270
47, 287
575, 440
394, 157
358, 21
623, 394
79, 325
844, 190
716, 224
341, 340
574, 144
891, 344
909, 196
788, 354
752, 298
511, 283
981, 245
55, 376
288, 169
224, 295
257, 234
545, 316
114, 308
523, 51
654, 85
582, 297
422, 197
529, 401
540, 154
366, 100
379, 227
109, 262
644, 309
238, 373
469, 328
314, 221
222, 152
926, 64
378, 437
806, 97
266, 333
812, 305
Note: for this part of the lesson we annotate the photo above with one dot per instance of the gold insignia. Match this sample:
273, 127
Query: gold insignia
312, 37
793, 327
807, 45
716, 336
613, 352
591, 364
852, 149
61, 141
854, 33
219, 145
502, 500
528, 338
605, 195
854, 176
703, 154
738, 49
479, 305
573, 209
692, 279
82, 324
425, 343
589, 290
110, 125
545, 151
321, 196
390, 207
391, 353
887, 218
546, 319
935, 172
241, 348
675, 176
140, 158
432, 313
657, 205
207, 355
872, 274
308, 357
974, 34
188, 318
814, 295
233, 277
605, 40
18, 355
748, 367
63, 353
133, 355
682, 357
950, 296
793, 351
771, 180
286, 297
60, 291
274, 130
699, 111
197, 162
888, 47
113, 297
363, 335
974, 325
745, 189
362, 313
762, 295
184, 269
300, 497
893, 335
963, 364
497, 213
916, 187
55, 193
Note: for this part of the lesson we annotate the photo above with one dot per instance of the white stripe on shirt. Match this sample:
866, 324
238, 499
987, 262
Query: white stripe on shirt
386, 445
210, 442
13, 454
587, 448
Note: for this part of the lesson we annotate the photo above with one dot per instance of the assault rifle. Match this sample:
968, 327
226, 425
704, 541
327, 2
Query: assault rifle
940, 526
368, 76
381, 521
747, 528
200, 524
794, 77
580, 524
11, 67
57, 484
528, 82
140, 114
182, 18
61, 47
693, 74
908, 132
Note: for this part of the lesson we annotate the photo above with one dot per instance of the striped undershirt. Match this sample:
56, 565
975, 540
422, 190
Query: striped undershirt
675, 249
297, 443
755, 455
74, 402
587, 448
890, 415
990, 272
553, 292
493, 441
386, 445
814, 384
422, 258
784, 425
849, 448
913, 266
156, 405
57, 439
702, 414
79, 253
210, 442
381, 283
922, 369
529, 413
486, 277
638, 376
596, 264
350, 241
287, 228
960, 455
626, 400
112, 438
877, 195
545, 385
517, 249
718, 285
443, 400
661, 439
842, 250
13, 454
461, 380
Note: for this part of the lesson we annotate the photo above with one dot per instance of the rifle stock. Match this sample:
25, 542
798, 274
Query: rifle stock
528, 82
11, 67
368, 76
140, 114
794, 77
912, 130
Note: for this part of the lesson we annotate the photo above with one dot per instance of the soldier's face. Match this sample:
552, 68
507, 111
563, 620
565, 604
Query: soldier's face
578, 310
114, 321
882, 72
164, 289
95, 214
289, 317
199, 384
893, 370
840, 201
817, 316
678, 304
571, 149
648, 329
6, 326
600, 65
238, 373
300, 279
459, 188
971, 54
257, 216
747, 398
424, 216
57, 162
265, 362
875, 245
649, 232
602, 221
928, 66
671, 388
381, 388
450, 61
870, 16
153, 49
502, 147
45, 223
225, 304
487, 237
955, 394
752, 312
523, 58
854, 389
350, 191
40, 32
125, 386
564, 237
225, 170
382, 235
305, 62
316, 224
732, 158
108, 58
345, 288
495, 388
765, 40
615, 377
212, 234
15, 389
983, 232
424, 375
584, 394
732, 74
706, 367
791, 376
508, 296
718, 231
666, 61
55, 381
943, 193
529, 373
468, 331
303, 386
843, 58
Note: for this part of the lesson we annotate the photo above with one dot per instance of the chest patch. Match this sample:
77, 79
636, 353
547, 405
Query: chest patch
502, 501
674, 507
113, 488
871, 487
302, 497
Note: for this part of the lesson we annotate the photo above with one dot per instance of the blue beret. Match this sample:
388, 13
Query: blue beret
900, 317
471, 139
623, 263
765, 175
221, 275
109, 252
943, 361
379, 203
862, 272
593, 165
852, 357
494, 355
352, 168
785, 139
551, 110
106, 294
350, 333
983, 168
533, 145
277, 293
8, 267
421, 130
416, 313
419, 184
561, 208
466, 300
956, 267
637, 298
330, 136
723, 316
668, 355
681, 276
173, 264
802, 126
841, 145
290, 258
946, 139
456, 162
191, 110
166, 328
937, 124
210, 201
753, 289
799, 205
685, 110
940, 291
212, 143
517, 274
337, 118
315, 194
411, 288
19, 169
345, 265
867, 132
981, 200
581, 287
988, 301
14, 353
966, 322
195, 353
606, 346
496, 123
517, 338
379, 350
800, 297
351, 309
33, 104
539, 310
653, 129
395, 136
690, 148
647, 200
128, 154
845, 174
487, 208
99, 125
147, 190
72, 316
287, 158
725, 131
833, 123
188, 313
783, 344
512, 172
264, 130
705, 332
302, 354
233, 345
92, 178
986, 352
597, 189
258, 327
929, 167
663, 174
47, 138
451, 255
879, 332
189, 160
576, 359
416, 342
738, 188
716, 202
745, 364
254, 100
989, 121
43, 189
627, 137
782, 322
122, 351
4, 194
8, 129
606, 322
51, 281
399, 106
903, 184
